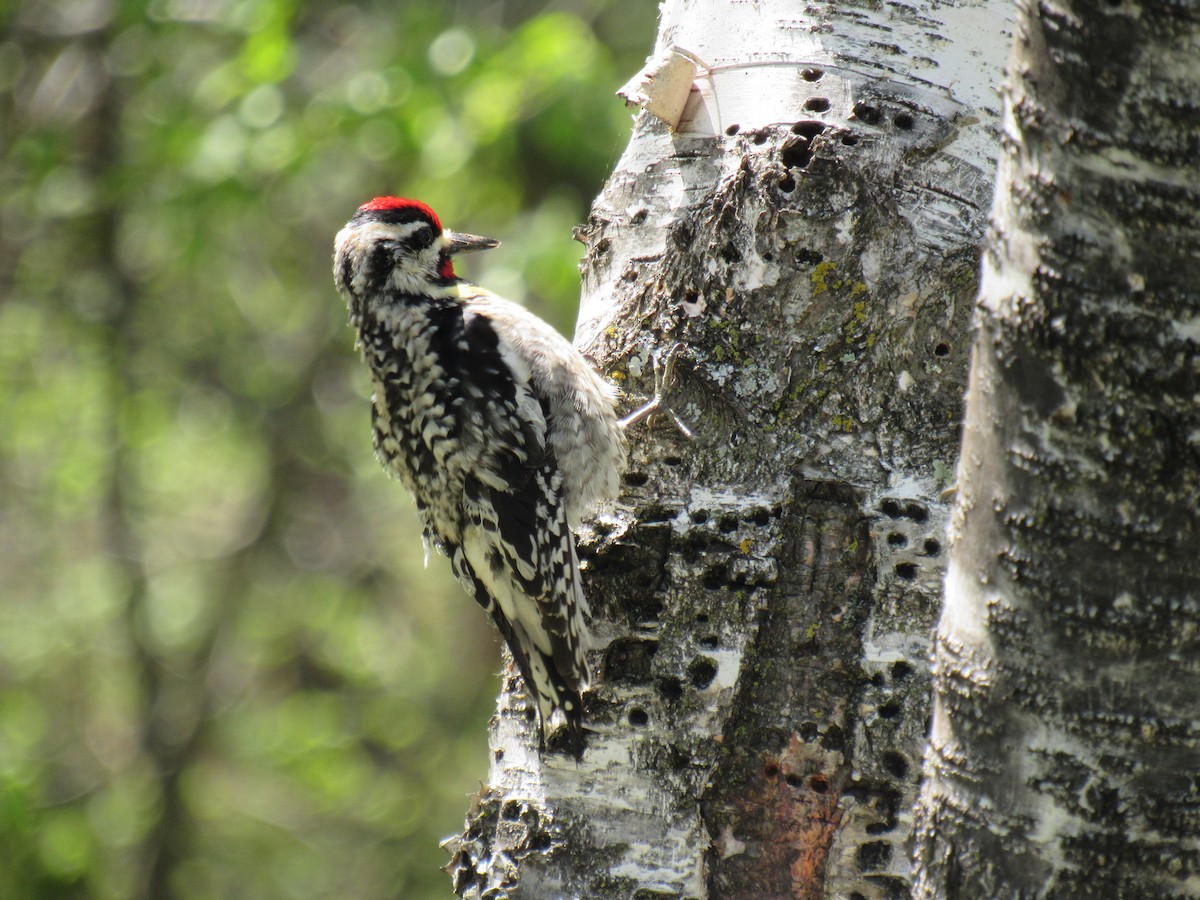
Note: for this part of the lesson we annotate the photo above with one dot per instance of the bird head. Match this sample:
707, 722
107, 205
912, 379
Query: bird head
395, 244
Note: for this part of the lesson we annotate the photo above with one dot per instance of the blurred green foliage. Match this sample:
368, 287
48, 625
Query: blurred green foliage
224, 670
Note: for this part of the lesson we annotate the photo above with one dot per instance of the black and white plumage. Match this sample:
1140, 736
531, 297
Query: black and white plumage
500, 429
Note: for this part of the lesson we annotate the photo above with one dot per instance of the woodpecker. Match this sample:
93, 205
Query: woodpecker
499, 428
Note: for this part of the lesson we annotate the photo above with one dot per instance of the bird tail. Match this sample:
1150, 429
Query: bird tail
551, 661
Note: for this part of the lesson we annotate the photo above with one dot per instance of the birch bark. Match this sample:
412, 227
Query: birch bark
764, 592
1065, 745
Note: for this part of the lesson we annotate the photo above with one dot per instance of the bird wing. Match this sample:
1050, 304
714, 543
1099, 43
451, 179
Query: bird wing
517, 542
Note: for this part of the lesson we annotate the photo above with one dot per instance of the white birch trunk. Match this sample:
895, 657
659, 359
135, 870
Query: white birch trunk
763, 594
1066, 733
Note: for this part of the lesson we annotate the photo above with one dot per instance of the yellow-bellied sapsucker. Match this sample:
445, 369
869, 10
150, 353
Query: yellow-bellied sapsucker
496, 424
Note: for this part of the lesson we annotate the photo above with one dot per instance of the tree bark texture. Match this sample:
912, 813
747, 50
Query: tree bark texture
1066, 731
763, 593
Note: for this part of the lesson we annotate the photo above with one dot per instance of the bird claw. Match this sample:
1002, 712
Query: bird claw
664, 375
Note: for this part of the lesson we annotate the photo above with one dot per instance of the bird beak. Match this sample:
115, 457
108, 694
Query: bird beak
456, 242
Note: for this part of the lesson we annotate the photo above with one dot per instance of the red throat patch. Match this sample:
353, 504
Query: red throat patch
447, 268
382, 203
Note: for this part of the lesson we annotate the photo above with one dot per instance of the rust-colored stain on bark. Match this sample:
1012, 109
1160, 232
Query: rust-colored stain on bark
798, 817
813, 838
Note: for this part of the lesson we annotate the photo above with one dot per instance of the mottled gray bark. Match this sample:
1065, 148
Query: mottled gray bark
1065, 746
763, 593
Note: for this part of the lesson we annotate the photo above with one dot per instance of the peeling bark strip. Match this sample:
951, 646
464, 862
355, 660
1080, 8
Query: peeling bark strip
1066, 733
763, 594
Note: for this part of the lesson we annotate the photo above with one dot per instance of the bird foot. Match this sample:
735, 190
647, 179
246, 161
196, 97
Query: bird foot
664, 376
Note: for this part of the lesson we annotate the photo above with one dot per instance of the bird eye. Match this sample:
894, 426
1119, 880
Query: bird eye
422, 237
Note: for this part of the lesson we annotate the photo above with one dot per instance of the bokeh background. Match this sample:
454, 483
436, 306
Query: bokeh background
224, 670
